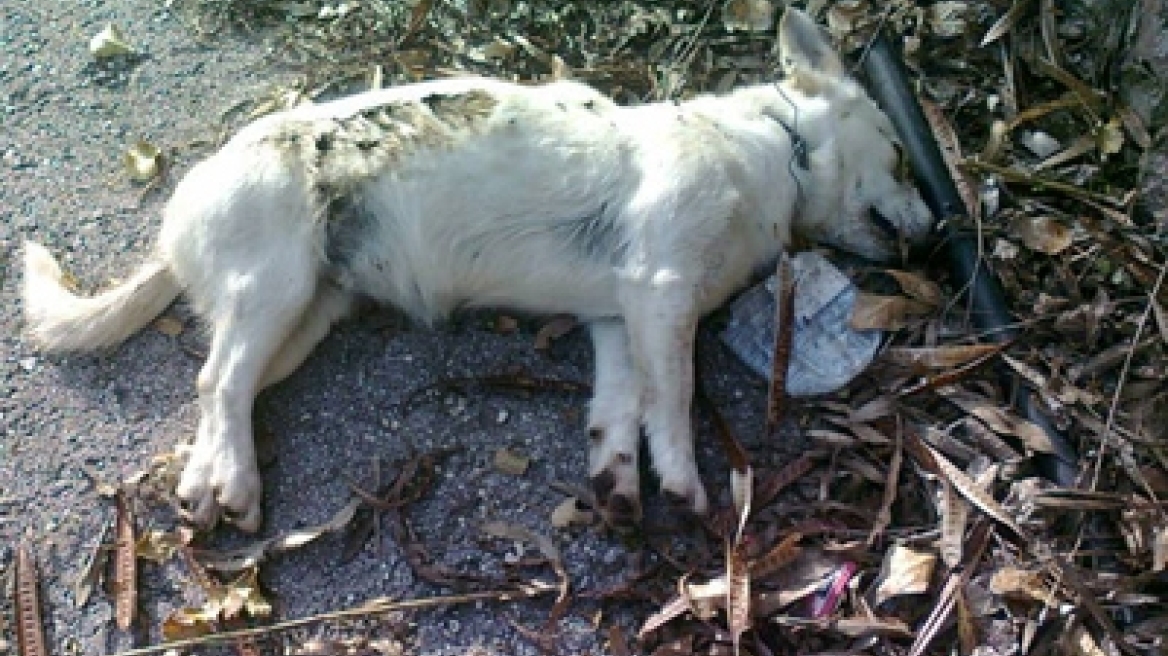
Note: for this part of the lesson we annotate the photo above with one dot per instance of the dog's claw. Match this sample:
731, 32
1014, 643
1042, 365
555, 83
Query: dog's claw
617, 500
621, 512
216, 485
602, 485
690, 499
203, 513
247, 521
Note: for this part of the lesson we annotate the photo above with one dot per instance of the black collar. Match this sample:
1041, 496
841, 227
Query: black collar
798, 144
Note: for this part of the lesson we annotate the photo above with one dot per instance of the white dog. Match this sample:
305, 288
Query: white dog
474, 192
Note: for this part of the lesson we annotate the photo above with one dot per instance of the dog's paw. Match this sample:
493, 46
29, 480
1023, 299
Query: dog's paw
686, 493
618, 492
217, 483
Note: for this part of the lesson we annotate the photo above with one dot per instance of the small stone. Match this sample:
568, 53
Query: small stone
511, 463
28, 364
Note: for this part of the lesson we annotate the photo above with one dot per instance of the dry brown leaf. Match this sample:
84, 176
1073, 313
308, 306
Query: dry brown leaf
967, 627
741, 491
972, 491
877, 312
737, 592
92, 571
891, 485
168, 325
1001, 420
954, 516
1042, 234
784, 336
560, 69
1135, 126
867, 434
1081, 643
506, 324
418, 16
812, 572
618, 643
554, 329
949, 19
1005, 23
851, 626
186, 623
1161, 315
950, 146
905, 571
1075, 150
143, 161
125, 583
702, 599
674, 608
243, 595
518, 533
918, 287
1021, 584
1110, 137
748, 15
1160, 548
878, 408
779, 556
110, 42
238, 560
547, 547
511, 463
938, 357
569, 513
158, 546
831, 437
30, 632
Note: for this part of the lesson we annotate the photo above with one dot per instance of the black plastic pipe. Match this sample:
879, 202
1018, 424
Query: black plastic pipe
889, 86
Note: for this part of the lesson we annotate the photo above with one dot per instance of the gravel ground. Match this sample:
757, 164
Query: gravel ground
68, 420
65, 421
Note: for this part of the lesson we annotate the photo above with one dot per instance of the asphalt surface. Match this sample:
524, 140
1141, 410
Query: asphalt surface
67, 423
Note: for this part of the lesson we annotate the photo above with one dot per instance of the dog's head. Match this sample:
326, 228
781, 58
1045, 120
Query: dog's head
856, 162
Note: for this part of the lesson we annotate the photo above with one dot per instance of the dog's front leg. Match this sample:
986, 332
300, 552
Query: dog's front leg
614, 426
662, 323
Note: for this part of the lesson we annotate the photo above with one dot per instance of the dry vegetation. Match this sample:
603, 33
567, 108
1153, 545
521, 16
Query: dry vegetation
923, 518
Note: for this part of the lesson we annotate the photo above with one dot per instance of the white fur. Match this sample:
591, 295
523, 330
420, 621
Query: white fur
474, 192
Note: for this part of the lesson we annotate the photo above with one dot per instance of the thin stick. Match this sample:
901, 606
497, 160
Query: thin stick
1010, 175
1109, 427
375, 607
784, 335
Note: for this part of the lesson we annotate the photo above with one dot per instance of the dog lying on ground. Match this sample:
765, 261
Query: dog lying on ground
474, 192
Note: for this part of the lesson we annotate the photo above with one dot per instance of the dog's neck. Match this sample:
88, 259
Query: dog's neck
790, 125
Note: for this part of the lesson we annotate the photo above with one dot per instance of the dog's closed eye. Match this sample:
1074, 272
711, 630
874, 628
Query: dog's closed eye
903, 170
883, 224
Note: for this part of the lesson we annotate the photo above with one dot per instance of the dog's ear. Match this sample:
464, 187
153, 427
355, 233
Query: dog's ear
803, 48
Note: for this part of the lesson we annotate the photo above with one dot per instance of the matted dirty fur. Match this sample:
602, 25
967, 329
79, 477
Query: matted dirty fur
477, 192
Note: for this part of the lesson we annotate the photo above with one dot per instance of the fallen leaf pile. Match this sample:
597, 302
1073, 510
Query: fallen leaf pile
927, 514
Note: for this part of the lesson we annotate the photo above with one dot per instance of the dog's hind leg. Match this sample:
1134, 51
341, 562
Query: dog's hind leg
614, 425
662, 324
253, 312
329, 305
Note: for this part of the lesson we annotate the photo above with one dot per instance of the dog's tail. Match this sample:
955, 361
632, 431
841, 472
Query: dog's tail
60, 320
